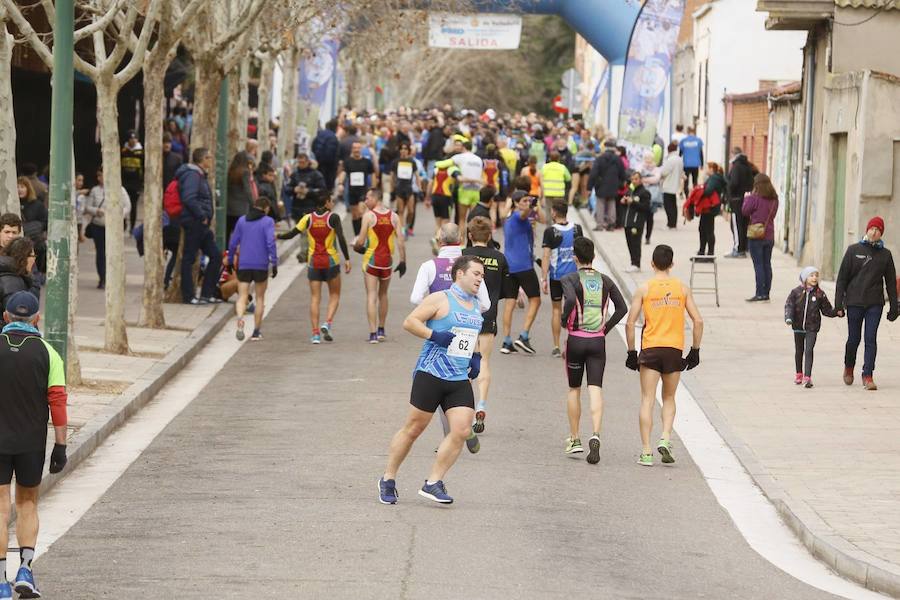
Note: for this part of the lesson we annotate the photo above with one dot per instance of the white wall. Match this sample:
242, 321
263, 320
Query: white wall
741, 53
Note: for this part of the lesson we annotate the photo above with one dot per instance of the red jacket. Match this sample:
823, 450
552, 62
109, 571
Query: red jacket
696, 204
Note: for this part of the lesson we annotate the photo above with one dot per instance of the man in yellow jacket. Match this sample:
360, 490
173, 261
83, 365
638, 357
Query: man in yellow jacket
555, 177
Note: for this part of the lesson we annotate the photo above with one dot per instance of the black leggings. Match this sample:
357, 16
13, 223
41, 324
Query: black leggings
585, 353
634, 244
649, 226
804, 343
670, 202
707, 234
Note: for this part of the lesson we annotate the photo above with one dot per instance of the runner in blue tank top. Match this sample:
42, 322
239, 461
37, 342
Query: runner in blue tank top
449, 321
558, 261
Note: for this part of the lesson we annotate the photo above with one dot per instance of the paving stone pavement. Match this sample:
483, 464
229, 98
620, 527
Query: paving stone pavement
833, 449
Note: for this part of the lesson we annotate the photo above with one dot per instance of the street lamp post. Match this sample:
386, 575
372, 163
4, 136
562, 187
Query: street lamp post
58, 250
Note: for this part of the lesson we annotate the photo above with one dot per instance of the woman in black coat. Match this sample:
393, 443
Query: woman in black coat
34, 220
16, 266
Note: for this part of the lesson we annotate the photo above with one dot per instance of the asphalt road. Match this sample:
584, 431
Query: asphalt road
266, 486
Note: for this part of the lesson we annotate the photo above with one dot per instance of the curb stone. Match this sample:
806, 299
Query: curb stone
817, 536
144, 389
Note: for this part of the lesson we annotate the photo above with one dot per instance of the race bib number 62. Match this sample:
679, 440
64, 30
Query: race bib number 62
464, 342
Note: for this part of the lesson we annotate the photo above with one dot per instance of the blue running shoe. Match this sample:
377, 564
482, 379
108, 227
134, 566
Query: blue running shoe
5, 589
380, 334
437, 492
387, 491
25, 586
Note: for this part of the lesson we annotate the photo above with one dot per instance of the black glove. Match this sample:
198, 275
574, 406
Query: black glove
692, 359
401, 268
442, 338
58, 458
274, 271
284, 236
359, 248
475, 365
892, 315
632, 361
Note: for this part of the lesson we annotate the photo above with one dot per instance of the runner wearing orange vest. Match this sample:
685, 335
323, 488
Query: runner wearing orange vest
663, 301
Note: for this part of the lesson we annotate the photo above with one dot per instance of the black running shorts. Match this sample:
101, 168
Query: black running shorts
664, 360
441, 206
585, 354
430, 392
323, 274
556, 290
28, 467
252, 275
527, 280
489, 325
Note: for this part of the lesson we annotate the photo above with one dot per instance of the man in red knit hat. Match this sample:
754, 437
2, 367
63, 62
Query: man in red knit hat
866, 271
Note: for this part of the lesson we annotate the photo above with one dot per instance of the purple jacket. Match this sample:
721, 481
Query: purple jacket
255, 234
761, 210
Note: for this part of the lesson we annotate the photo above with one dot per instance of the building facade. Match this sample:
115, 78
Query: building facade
847, 144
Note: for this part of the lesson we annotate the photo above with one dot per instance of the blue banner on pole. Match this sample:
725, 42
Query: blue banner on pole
601, 87
647, 70
317, 71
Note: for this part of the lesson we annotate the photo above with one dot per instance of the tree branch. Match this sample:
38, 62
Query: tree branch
28, 33
241, 25
137, 55
101, 23
122, 38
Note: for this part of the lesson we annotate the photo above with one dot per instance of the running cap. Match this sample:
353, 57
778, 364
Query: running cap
876, 222
23, 304
806, 272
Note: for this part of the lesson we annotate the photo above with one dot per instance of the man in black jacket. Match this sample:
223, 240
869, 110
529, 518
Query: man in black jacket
637, 208
326, 149
607, 176
196, 215
866, 270
740, 181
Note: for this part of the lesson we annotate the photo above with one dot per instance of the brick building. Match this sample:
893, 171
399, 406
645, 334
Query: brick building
747, 125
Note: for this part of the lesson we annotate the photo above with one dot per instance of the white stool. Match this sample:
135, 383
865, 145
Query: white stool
705, 260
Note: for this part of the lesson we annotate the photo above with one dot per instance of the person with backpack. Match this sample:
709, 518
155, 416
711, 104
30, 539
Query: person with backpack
195, 198
706, 202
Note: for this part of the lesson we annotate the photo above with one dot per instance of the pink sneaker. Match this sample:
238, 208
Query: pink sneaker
807, 382
798, 378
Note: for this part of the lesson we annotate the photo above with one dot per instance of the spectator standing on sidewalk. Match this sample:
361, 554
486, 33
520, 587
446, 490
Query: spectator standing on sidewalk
29, 171
707, 205
866, 271
651, 175
34, 220
132, 174
242, 192
16, 266
10, 229
171, 160
803, 312
637, 209
672, 172
607, 175
760, 208
326, 147
94, 207
196, 215
740, 182
691, 150
35, 377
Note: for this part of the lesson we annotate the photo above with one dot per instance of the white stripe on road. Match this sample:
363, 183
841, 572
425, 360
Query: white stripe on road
71, 498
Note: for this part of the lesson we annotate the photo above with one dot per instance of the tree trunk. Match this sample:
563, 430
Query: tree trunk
116, 335
244, 101
9, 196
206, 105
73, 364
234, 114
264, 103
152, 314
288, 121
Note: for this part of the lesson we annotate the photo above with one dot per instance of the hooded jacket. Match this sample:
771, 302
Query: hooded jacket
740, 178
805, 306
196, 197
636, 212
865, 272
11, 282
254, 233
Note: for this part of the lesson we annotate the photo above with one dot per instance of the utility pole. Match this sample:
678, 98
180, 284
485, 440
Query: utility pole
58, 250
222, 165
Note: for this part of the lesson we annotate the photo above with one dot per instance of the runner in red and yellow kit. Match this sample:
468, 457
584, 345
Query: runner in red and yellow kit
376, 242
324, 231
663, 300
443, 188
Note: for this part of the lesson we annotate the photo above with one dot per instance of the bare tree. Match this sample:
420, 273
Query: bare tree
172, 22
9, 197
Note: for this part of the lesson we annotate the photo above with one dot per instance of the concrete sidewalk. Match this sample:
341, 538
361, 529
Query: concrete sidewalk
827, 456
116, 386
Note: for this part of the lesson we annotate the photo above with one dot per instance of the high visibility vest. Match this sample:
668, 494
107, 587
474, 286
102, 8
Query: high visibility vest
554, 176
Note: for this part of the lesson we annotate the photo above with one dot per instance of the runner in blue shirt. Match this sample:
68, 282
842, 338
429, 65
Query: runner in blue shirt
518, 237
558, 261
690, 148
